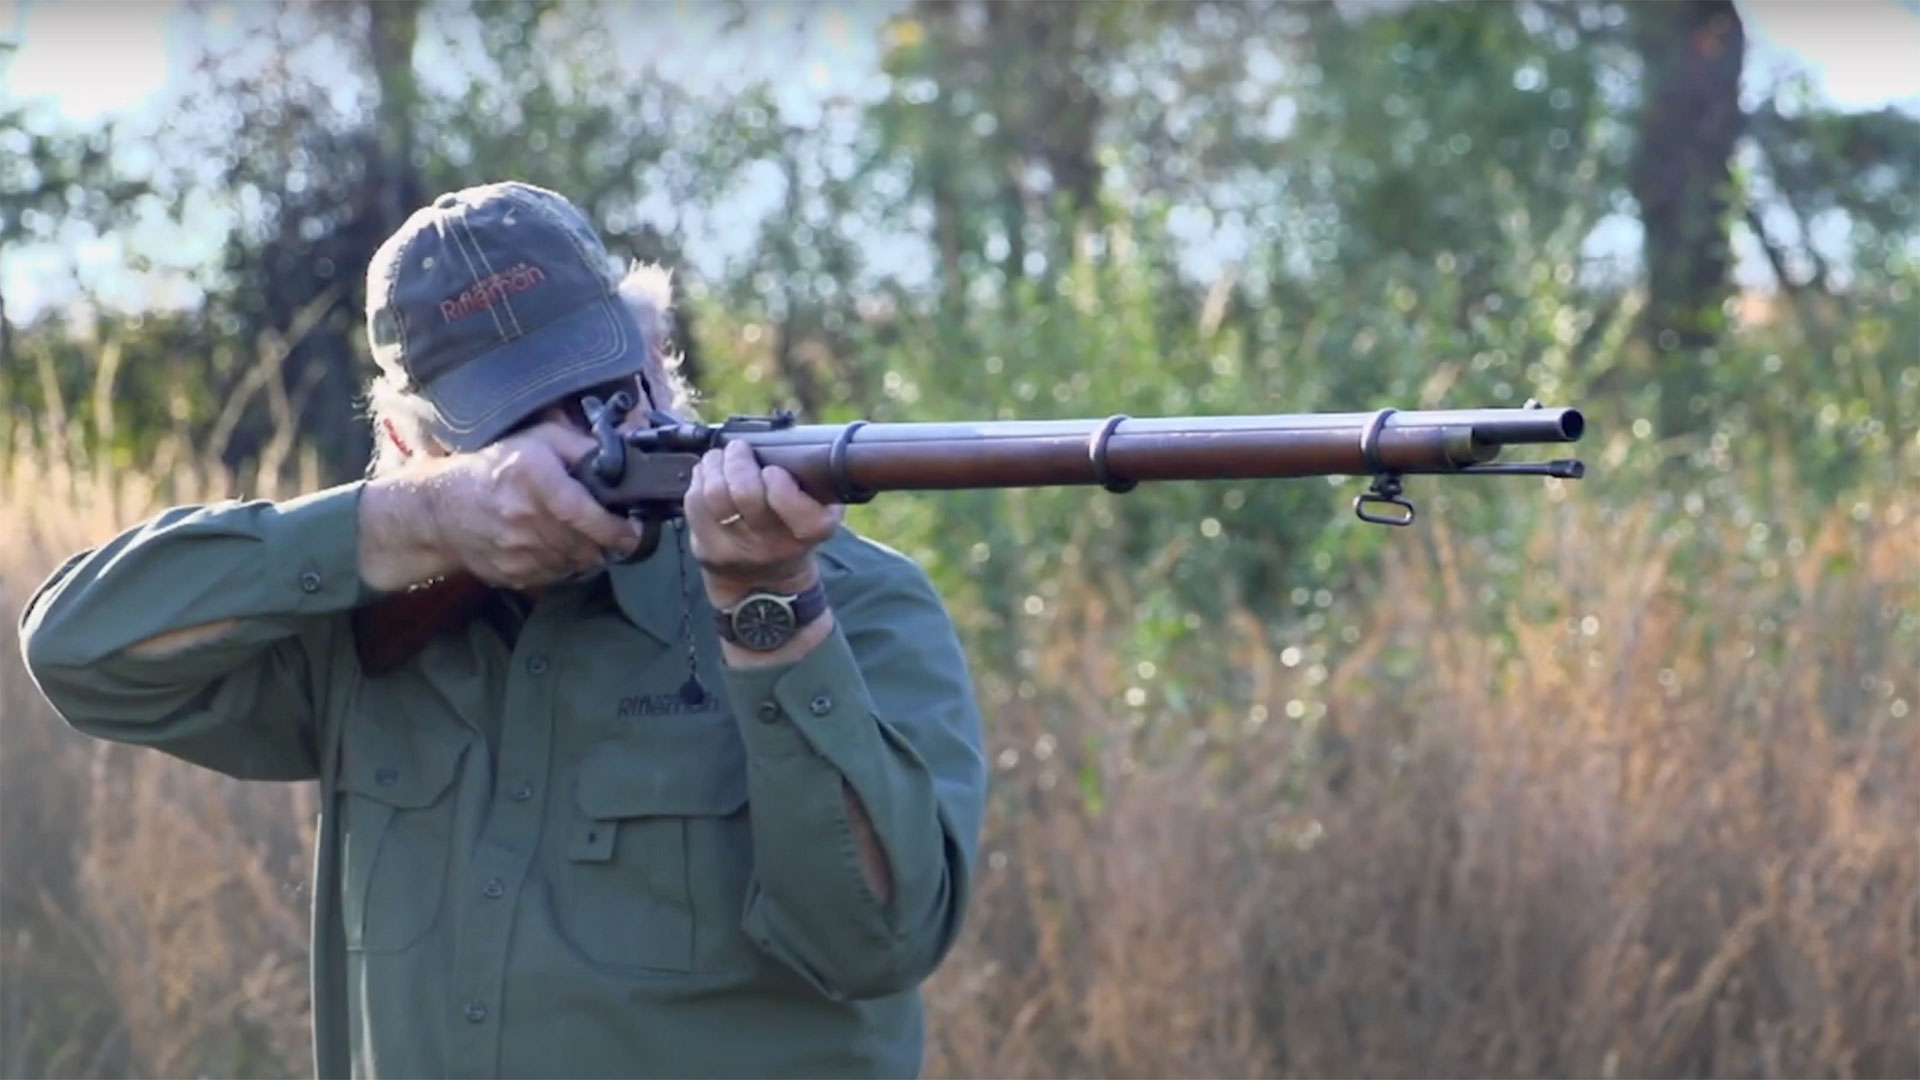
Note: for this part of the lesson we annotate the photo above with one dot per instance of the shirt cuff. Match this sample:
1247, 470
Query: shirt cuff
320, 533
820, 701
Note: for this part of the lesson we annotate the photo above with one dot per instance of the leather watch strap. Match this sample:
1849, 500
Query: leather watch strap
809, 604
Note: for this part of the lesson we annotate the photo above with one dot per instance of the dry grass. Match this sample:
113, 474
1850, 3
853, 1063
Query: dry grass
1677, 839
152, 916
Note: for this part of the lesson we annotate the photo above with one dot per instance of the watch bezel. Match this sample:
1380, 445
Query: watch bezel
802, 608
776, 625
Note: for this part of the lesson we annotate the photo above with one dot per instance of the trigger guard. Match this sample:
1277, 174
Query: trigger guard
650, 529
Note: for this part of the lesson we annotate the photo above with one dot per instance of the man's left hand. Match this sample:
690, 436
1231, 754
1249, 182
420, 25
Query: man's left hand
752, 526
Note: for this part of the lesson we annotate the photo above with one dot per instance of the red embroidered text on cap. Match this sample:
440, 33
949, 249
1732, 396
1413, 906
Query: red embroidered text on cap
493, 287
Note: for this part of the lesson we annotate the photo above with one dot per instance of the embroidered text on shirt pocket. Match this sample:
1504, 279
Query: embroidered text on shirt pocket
656, 864
398, 830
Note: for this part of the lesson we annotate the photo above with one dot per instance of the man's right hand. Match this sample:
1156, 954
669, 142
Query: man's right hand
510, 515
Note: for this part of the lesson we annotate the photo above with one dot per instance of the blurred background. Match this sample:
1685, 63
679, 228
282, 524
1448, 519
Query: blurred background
1617, 777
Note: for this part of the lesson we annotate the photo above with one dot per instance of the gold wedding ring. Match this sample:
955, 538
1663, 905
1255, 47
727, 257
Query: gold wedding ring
730, 519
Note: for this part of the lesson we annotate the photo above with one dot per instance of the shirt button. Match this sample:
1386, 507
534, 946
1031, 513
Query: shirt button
386, 775
821, 705
768, 711
522, 791
476, 1012
310, 582
494, 890
537, 665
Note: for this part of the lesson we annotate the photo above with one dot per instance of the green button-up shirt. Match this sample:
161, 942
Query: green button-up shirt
536, 857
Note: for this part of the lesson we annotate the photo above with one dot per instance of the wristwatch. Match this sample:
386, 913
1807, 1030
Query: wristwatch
763, 621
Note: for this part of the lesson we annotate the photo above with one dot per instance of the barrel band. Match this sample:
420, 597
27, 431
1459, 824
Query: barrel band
1097, 453
1370, 440
837, 467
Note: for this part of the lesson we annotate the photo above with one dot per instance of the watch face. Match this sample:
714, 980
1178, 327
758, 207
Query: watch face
763, 624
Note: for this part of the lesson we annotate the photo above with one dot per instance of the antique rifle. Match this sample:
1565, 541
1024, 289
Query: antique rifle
643, 473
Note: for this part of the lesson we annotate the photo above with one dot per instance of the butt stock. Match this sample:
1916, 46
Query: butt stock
643, 473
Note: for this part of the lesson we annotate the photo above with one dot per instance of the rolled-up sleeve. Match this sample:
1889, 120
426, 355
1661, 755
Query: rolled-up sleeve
884, 705
241, 702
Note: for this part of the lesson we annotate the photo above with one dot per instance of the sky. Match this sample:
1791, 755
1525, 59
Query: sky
99, 59
94, 67
94, 61
1863, 53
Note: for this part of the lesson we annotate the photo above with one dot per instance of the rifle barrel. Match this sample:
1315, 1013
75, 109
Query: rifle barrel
1494, 426
878, 457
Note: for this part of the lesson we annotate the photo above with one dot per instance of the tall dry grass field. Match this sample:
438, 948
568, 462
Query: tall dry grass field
1672, 829
1662, 825
152, 916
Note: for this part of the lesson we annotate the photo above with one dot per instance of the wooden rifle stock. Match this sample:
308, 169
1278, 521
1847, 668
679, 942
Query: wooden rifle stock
644, 473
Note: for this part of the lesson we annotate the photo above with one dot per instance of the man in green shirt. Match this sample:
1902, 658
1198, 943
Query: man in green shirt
600, 829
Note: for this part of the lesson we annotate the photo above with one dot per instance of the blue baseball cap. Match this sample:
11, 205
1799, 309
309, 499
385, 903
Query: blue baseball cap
494, 302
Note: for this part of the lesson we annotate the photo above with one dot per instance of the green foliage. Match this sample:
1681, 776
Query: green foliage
1440, 123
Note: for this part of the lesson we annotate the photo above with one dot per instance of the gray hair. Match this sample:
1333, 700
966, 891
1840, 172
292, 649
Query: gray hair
399, 416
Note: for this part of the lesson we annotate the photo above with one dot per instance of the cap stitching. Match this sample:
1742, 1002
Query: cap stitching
481, 253
454, 234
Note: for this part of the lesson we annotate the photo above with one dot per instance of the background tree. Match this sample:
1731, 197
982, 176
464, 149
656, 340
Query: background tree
1690, 121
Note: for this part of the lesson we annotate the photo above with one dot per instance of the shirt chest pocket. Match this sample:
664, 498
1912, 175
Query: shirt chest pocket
396, 781
659, 851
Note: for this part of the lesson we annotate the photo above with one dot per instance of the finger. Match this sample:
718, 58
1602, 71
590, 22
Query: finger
715, 501
558, 546
602, 529
518, 538
569, 444
746, 490
556, 506
805, 517
694, 505
524, 561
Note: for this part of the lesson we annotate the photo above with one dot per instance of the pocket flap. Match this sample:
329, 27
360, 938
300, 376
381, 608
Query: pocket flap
665, 770
408, 769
